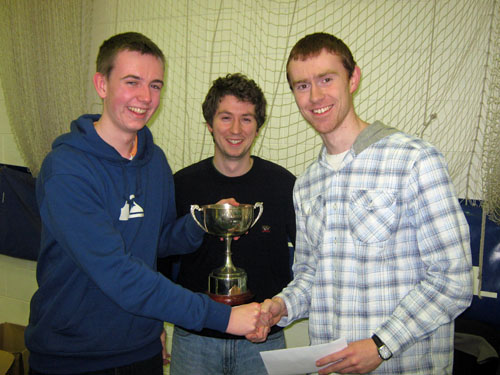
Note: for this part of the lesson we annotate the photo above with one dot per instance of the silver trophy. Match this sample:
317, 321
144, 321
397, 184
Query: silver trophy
228, 284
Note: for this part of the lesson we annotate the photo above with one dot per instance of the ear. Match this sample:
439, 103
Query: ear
210, 129
100, 84
355, 79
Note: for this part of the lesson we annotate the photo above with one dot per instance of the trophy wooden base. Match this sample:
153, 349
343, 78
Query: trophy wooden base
232, 300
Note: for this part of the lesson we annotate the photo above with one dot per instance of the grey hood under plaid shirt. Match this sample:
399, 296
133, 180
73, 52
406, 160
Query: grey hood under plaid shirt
382, 247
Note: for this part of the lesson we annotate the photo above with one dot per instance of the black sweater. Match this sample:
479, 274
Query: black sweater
263, 253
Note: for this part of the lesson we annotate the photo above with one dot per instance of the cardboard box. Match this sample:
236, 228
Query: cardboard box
13, 352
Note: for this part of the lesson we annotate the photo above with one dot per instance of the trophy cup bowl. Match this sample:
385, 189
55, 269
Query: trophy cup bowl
228, 284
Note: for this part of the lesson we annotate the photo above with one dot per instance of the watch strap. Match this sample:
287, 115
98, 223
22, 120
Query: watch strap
383, 350
377, 340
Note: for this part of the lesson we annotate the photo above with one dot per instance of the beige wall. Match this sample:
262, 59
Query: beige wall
17, 276
17, 285
9, 153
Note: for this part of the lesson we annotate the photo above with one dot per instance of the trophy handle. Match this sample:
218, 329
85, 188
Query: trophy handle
195, 207
260, 206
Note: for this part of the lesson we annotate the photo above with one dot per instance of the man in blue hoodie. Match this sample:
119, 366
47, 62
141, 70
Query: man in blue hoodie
106, 200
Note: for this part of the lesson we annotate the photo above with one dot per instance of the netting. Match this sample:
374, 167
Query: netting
491, 145
427, 69
430, 68
44, 47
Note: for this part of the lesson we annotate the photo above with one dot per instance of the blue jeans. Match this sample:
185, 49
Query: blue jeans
200, 355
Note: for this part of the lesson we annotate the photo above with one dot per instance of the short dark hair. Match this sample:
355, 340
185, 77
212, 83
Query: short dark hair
313, 44
240, 86
129, 41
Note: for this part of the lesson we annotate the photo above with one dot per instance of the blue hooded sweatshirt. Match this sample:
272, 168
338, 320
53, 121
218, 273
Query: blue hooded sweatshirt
100, 302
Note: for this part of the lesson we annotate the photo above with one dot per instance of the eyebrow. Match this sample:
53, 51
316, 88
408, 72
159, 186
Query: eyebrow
318, 76
328, 73
231, 113
140, 79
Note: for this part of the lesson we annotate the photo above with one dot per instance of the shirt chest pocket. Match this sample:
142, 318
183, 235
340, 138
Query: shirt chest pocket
372, 215
313, 216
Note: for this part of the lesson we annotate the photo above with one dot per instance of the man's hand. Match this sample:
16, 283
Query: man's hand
262, 329
231, 201
275, 309
359, 357
165, 355
244, 319
271, 311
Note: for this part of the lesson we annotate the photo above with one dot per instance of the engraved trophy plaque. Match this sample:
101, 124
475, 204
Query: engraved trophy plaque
228, 284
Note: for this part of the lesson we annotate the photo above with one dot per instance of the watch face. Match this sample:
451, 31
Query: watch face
384, 352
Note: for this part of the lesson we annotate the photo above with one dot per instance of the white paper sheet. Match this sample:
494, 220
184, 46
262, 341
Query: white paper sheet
295, 361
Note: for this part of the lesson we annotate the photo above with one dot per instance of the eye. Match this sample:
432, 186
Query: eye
131, 83
156, 86
326, 80
301, 86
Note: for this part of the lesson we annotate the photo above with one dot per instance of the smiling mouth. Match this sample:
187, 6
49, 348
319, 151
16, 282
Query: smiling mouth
235, 141
139, 111
319, 111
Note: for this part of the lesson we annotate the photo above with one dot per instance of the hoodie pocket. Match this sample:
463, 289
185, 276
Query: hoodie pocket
79, 306
372, 215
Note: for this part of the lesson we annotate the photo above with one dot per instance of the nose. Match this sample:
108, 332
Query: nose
145, 94
235, 127
315, 94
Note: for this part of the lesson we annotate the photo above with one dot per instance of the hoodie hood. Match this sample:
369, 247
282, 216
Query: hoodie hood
84, 137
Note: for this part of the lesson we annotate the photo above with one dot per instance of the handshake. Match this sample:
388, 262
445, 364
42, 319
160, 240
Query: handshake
254, 320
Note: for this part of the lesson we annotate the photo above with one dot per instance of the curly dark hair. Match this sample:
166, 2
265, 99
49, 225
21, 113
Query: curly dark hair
313, 44
240, 86
129, 41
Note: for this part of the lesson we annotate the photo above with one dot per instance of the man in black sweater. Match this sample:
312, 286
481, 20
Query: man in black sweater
234, 110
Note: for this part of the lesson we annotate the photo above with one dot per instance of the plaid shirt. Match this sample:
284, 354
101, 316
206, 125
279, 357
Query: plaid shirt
382, 247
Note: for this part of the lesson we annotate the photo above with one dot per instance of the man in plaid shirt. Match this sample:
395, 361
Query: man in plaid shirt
382, 251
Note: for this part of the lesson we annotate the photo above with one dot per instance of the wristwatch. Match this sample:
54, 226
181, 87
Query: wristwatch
383, 350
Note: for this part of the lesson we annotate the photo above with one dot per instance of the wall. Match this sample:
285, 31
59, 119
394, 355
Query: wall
17, 285
17, 276
9, 153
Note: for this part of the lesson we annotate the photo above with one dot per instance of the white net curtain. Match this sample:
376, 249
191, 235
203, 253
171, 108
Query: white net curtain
43, 69
429, 67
